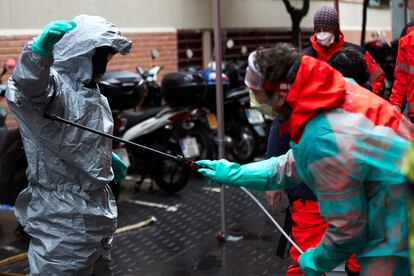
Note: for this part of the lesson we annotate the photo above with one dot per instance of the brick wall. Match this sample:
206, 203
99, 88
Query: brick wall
165, 43
10, 47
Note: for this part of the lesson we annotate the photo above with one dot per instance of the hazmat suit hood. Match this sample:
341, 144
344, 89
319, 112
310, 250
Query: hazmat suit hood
317, 87
73, 53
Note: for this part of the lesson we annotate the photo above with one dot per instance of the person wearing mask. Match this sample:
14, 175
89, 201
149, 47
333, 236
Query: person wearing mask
346, 142
328, 39
308, 227
403, 86
68, 209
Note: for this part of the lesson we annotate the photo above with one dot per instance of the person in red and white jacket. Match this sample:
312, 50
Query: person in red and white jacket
404, 72
328, 40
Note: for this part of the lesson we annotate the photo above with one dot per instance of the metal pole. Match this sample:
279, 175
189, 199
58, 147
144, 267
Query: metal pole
336, 5
364, 22
219, 105
398, 17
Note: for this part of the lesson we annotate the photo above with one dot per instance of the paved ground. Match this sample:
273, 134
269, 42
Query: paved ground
182, 241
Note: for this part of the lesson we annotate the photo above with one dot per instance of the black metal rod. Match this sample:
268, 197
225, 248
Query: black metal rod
57, 118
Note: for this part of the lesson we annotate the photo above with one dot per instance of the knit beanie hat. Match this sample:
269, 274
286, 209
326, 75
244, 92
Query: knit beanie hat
326, 18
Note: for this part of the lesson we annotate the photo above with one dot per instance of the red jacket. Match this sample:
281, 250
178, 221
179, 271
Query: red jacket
320, 52
404, 72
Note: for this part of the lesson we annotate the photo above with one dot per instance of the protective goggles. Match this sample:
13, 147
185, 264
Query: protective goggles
255, 80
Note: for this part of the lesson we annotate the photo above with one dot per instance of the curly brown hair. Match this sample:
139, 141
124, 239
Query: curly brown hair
276, 61
351, 63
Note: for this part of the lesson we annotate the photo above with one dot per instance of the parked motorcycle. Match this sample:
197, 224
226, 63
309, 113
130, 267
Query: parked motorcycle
152, 94
171, 129
244, 127
128, 90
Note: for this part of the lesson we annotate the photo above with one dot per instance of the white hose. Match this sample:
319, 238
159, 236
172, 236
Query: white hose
272, 219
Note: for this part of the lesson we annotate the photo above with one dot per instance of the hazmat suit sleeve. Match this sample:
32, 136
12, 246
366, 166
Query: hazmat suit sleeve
33, 70
271, 174
32, 77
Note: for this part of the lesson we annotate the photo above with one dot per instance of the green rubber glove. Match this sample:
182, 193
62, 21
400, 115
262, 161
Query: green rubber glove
257, 175
119, 167
53, 32
307, 263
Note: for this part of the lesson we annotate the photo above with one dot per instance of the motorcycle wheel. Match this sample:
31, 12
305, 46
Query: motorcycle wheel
13, 177
243, 147
171, 176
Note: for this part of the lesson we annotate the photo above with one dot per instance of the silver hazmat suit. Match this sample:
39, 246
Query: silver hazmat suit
67, 209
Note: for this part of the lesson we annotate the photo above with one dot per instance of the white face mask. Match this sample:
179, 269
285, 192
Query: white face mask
325, 38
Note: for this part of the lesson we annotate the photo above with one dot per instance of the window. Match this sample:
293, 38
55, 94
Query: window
250, 39
190, 39
379, 3
255, 38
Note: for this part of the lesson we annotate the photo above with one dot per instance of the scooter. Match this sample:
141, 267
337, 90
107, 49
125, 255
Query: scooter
172, 129
127, 90
244, 127
152, 95
135, 101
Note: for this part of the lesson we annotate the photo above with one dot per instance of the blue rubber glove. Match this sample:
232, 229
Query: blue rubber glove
307, 263
257, 175
53, 32
119, 167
